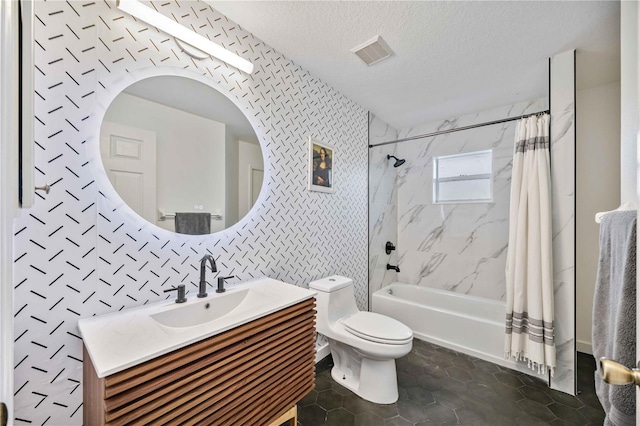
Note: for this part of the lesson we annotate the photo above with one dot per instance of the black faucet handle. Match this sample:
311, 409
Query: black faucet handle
181, 293
389, 247
221, 288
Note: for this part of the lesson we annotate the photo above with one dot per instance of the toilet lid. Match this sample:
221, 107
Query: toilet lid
378, 328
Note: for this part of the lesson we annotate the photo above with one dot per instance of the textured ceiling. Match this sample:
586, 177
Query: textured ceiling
451, 58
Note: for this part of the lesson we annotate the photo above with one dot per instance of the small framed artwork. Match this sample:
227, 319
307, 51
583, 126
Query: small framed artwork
321, 166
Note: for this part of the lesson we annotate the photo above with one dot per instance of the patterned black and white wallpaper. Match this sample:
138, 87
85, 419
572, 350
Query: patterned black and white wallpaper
80, 252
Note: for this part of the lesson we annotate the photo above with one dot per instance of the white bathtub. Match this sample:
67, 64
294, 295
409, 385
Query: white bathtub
467, 324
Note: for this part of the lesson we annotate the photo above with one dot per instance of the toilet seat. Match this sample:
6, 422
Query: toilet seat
378, 328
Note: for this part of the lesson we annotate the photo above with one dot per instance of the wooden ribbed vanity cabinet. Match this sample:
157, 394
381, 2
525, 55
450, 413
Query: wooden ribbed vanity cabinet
248, 375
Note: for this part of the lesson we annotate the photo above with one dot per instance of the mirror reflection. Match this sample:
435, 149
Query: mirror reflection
181, 155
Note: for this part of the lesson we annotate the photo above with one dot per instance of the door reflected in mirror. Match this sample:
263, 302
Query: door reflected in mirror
181, 155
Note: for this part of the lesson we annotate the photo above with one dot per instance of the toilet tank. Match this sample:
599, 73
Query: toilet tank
335, 299
331, 284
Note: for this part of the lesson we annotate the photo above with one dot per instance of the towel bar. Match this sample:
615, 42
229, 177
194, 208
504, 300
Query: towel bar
170, 216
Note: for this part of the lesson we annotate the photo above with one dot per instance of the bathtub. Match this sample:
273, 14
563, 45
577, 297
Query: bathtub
467, 324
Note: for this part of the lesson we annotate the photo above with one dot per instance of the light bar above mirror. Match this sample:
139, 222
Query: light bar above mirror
171, 27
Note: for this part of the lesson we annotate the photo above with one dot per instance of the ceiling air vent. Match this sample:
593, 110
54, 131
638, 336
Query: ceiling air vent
373, 51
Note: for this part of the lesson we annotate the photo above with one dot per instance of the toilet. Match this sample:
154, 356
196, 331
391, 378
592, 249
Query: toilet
364, 345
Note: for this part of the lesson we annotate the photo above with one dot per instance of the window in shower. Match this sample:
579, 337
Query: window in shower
463, 178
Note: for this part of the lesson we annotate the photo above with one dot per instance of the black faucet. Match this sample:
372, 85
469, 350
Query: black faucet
395, 268
181, 293
202, 287
220, 288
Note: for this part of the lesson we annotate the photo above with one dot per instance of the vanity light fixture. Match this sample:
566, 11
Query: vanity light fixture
171, 27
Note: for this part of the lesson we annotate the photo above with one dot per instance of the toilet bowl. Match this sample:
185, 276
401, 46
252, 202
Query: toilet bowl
364, 345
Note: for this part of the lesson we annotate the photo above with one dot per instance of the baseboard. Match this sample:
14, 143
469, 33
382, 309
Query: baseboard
322, 352
584, 347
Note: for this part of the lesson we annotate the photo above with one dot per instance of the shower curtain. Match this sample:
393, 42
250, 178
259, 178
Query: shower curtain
529, 334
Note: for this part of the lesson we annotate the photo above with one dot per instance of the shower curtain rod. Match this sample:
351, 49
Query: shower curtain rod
457, 129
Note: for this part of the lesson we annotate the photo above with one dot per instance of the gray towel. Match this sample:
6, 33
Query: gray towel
193, 223
614, 312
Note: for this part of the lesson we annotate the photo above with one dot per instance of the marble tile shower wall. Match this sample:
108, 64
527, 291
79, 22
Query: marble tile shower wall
455, 247
563, 186
77, 254
383, 206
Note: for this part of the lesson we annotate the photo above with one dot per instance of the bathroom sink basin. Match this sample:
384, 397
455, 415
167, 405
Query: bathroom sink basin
190, 315
122, 339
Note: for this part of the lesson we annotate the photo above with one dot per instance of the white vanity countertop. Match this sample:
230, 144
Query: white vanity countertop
119, 340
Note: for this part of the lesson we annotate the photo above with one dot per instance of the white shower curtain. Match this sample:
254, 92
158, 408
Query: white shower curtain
529, 318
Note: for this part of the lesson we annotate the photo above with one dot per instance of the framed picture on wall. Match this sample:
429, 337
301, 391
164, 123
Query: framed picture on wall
321, 166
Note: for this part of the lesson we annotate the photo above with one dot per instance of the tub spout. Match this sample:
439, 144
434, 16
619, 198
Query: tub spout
395, 268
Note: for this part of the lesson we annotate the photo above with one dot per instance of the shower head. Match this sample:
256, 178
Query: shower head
398, 162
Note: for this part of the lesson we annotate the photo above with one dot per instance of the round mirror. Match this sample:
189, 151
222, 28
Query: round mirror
181, 155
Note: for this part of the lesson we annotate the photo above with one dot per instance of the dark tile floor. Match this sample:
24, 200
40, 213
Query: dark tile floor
441, 386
